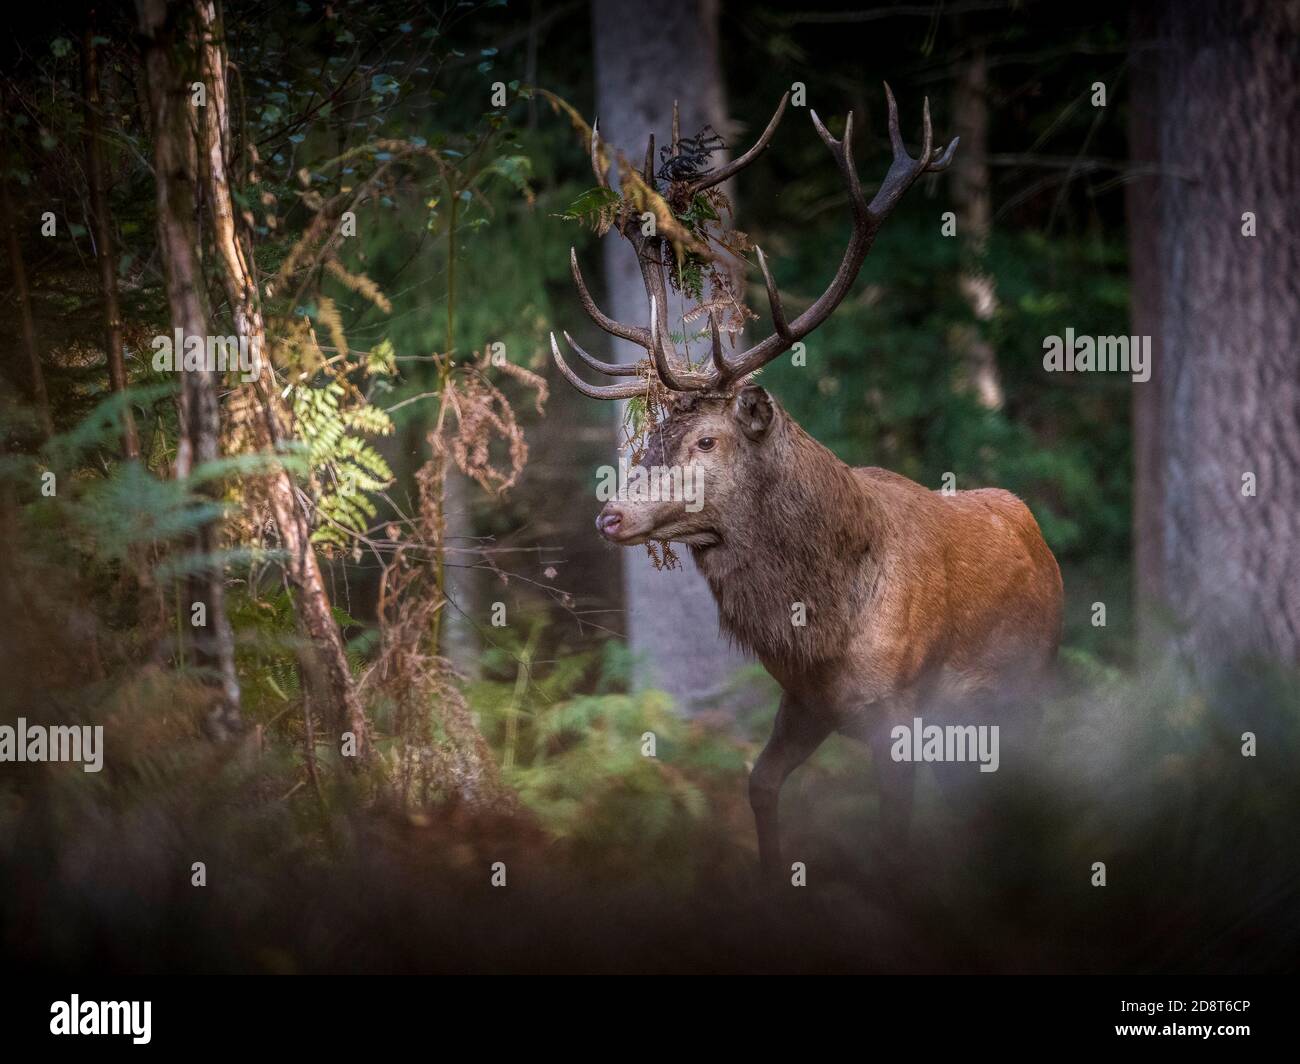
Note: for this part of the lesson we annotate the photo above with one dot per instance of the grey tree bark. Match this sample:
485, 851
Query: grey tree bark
974, 201
1142, 207
645, 58
1230, 327
169, 46
329, 676
460, 638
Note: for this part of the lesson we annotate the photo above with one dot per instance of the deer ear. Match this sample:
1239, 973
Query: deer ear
753, 411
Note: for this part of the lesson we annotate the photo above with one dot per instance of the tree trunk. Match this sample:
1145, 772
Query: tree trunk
1142, 206
168, 53
461, 644
642, 64
1229, 331
40, 399
330, 677
104, 249
973, 199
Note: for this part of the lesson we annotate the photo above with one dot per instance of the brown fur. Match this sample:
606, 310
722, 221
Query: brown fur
910, 595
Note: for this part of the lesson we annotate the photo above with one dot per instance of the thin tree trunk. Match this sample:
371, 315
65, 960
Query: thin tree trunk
1230, 333
104, 245
1142, 206
168, 53
461, 644
40, 399
332, 674
672, 620
973, 199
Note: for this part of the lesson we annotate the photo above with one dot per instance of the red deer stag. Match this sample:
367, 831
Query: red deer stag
909, 598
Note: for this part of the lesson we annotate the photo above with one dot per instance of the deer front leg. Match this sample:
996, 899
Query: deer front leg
795, 735
896, 782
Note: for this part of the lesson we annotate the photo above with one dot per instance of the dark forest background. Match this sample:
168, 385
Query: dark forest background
389, 530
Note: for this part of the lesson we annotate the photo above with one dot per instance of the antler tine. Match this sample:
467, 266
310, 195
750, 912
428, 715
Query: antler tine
904, 169
601, 178
864, 229
850, 171
609, 391
927, 135
774, 299
721, 174
688, 382
677, 130
867, 220
941, 163
719, 361
895, 135
634, 333
842, 152
610, 369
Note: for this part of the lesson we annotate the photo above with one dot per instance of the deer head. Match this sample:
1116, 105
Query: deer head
717, 421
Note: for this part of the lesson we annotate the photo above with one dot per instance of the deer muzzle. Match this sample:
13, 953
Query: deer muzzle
609, 521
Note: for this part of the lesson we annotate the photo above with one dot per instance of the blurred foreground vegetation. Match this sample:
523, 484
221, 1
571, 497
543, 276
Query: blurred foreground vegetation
614, 860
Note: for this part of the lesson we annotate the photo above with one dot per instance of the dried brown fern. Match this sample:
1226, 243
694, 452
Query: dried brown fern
482, 416
440, 753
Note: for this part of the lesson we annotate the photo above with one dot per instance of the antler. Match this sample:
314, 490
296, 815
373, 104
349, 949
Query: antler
608, 391
867, 220
716, 177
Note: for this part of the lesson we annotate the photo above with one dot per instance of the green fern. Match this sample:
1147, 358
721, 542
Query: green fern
346, 470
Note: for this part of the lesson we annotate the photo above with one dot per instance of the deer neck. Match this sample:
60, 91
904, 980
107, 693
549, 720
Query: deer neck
788, 578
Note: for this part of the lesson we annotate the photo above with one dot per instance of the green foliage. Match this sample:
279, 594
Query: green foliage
515, 170
107, 518
592, 206
579, 760
266, 641
101, 427
698, 214
128, 512
345, 468
689, 275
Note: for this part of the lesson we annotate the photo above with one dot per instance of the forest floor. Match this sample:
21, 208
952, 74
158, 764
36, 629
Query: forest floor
1202, 873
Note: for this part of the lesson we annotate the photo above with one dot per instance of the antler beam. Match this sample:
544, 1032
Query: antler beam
867, 220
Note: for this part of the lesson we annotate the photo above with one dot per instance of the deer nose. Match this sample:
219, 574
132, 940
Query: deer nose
608, 521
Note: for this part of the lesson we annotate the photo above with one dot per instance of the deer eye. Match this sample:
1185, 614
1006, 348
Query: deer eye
705, 443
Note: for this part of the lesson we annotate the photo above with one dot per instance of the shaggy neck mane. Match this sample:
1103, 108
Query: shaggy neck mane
803, 538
